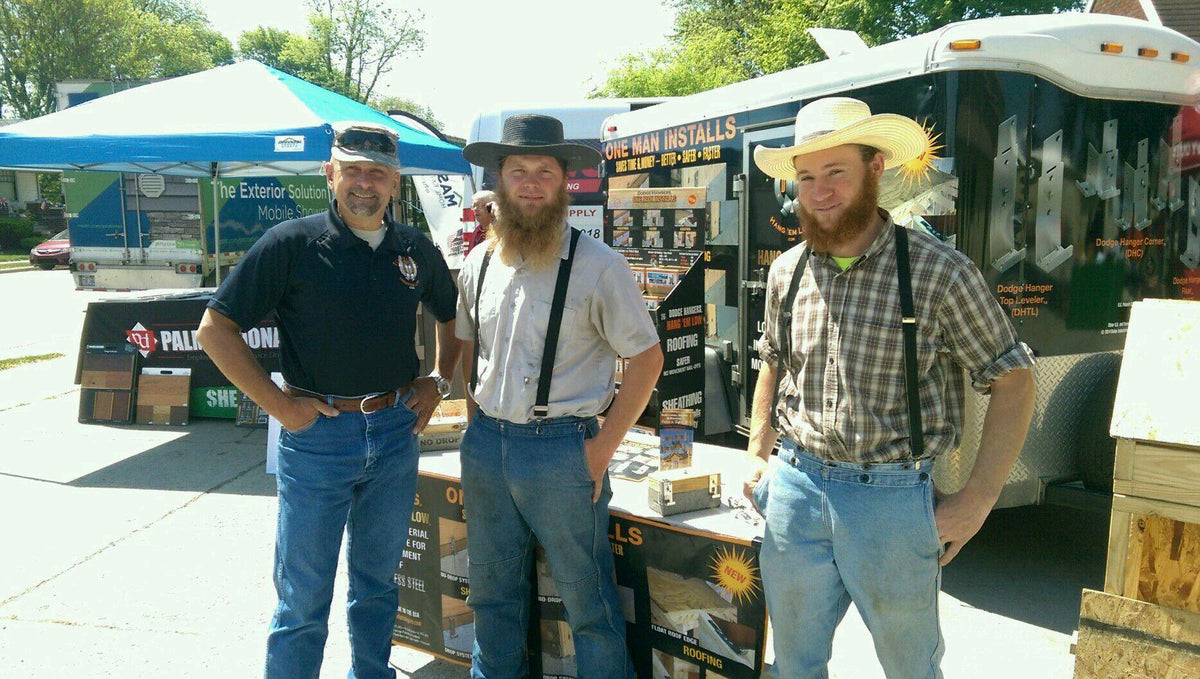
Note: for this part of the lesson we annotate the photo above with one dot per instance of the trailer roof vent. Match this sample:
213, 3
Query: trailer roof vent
836, 42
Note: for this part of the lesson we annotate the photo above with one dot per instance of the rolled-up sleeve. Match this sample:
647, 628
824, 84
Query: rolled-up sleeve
618, 312
978, 334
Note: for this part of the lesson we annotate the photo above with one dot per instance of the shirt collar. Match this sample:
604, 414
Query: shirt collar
342, 237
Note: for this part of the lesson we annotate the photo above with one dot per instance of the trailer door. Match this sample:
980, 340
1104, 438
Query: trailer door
96, 213
769, 227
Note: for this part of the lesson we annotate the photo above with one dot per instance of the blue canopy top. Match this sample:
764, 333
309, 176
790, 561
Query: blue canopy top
247, 118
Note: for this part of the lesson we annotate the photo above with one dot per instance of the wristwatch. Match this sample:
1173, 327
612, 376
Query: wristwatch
443, 384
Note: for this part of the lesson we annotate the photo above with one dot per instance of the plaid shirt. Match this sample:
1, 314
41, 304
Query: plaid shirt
843, 395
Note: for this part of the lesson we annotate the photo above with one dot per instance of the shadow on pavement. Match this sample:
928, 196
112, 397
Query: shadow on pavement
1031, 563
206, 459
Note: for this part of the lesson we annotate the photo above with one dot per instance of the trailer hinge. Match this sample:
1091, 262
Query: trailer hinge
735, 376
739, 184
754, 285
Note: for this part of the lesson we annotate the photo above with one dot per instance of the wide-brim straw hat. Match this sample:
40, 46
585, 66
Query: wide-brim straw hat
531, 134
834, 121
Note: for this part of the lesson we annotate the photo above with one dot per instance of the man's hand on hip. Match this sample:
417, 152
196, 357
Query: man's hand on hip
598, 454
303, 411
755, 468
423, 399
959, 517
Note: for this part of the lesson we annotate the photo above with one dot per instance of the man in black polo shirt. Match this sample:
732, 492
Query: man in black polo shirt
344, 286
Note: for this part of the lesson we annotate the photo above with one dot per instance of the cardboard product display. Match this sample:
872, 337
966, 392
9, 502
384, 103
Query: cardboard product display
445, 428
676, 491
108, 378
676, 433
162, 396
250, 414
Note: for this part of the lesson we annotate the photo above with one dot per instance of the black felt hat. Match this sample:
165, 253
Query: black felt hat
530, 134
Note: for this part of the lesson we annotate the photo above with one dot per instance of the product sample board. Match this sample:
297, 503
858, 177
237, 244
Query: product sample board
691, 598
108, 376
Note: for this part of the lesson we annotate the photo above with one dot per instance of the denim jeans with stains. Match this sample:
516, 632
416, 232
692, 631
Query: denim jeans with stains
839, 532
527, 482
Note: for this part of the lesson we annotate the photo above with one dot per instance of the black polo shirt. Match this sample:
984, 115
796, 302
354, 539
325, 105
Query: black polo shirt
346, 314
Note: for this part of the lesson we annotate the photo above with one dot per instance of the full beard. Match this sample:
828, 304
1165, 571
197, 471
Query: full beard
537, 237
858, 218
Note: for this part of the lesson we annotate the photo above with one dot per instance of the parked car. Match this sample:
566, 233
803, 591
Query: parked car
52, 252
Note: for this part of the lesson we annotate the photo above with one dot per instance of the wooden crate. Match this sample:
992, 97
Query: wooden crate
1157, 471
1122, 637
1154, 552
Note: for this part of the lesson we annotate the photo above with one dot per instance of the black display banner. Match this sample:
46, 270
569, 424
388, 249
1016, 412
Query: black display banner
681, 330
433, 614
163, 329
692, 601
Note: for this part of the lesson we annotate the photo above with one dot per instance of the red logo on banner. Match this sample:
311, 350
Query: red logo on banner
143, 339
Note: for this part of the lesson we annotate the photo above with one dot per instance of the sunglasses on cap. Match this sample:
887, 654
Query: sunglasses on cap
357, 139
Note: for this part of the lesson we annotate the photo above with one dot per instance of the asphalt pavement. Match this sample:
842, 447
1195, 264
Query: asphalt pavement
133, 551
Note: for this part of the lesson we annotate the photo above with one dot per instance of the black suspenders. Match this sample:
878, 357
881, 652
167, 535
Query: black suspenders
541, 406
908, 328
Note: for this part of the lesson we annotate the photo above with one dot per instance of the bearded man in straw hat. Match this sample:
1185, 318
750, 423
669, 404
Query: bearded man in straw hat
545, 311
867, 327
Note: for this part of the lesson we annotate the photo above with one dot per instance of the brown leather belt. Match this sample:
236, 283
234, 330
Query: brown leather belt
365, 404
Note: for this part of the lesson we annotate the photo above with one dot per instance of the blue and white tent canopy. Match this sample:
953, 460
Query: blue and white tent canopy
247, 118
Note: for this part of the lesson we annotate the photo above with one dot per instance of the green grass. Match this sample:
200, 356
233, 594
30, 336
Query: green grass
14, 258
7, 363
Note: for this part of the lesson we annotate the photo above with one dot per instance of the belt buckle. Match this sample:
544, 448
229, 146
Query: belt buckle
362, 405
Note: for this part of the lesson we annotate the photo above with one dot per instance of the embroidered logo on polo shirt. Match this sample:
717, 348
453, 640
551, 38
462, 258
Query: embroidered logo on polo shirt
408, 270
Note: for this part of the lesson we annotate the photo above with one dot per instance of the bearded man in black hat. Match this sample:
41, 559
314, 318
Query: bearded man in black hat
545, 311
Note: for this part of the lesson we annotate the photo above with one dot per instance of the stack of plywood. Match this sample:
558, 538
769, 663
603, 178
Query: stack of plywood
1147, 621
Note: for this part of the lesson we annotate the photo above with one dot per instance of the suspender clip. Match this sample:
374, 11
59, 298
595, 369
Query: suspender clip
907, 320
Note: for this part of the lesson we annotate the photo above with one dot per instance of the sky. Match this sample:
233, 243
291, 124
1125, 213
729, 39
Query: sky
482, 55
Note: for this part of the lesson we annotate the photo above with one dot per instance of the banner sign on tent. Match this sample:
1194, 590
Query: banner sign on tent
251, 205
442, 202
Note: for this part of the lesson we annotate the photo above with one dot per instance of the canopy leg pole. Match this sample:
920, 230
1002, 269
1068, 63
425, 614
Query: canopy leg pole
216, 176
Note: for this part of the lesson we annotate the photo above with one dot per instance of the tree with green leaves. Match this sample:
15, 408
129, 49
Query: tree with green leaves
46, 41
717, 42
350, 45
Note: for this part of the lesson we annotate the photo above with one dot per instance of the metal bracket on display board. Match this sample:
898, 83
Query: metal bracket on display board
1191, 253
1170, 169
1102, 166
1048, 250
1135, 207
1003, 215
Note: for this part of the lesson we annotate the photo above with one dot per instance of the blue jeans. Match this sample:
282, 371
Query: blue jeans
838, 532
527, 481
357, 472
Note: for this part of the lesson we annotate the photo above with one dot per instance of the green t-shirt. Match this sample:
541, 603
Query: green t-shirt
845, 262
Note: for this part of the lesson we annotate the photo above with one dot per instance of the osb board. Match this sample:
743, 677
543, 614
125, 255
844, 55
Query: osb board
1120, 637
1157, 471
1125, 544
1164, 562
1159, 373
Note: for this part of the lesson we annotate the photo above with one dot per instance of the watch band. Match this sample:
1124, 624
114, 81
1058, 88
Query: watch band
443, 384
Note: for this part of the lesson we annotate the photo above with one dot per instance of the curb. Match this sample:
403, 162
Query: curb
16, 269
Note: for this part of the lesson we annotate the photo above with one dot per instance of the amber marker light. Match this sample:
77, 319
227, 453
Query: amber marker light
965, 45
1147, 52
1180, 57
1111, 48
